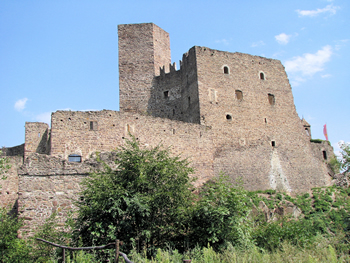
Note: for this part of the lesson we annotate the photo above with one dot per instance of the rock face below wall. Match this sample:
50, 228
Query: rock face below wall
48, 184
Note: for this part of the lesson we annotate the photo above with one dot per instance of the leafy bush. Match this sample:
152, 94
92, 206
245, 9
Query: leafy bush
12, 249
145, 202
221, 215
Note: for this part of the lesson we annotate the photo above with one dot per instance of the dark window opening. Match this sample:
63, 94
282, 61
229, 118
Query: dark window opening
265, 120
239, 95
189, 101
273, 143
228, 117
93, 125
166, 94
173, 131
173, 112
324, 155
271, 99
262, 76
226, 70
74, 158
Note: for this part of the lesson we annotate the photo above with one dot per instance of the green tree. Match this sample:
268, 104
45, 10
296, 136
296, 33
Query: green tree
345, 157
221, 215
12, 249
143, 202
342, 163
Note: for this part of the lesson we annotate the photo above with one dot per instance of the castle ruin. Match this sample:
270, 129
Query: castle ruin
230, 113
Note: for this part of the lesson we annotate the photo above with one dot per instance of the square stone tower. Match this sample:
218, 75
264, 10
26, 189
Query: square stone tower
143, 49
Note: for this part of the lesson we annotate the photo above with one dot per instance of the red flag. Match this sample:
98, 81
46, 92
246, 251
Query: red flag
325, 131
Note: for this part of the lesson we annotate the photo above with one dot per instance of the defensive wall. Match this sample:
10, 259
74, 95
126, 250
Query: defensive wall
229, 113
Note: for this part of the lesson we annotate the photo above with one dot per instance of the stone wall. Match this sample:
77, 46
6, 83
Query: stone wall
143, 49
37, 138
174, 95
13, 151
48, 184
248, 102
9, 186
73, 133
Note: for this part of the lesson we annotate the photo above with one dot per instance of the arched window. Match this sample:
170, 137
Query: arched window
307, 131
74, 158
229, 117
226, 70
262, 75
271, 98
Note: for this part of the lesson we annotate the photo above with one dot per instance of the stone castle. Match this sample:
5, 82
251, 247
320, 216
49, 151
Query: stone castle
229, 113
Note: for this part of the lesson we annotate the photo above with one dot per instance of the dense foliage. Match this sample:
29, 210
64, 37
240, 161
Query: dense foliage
220, 216
145, 202
12, 249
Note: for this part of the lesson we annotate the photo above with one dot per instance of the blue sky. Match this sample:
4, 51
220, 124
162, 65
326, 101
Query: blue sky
57, 55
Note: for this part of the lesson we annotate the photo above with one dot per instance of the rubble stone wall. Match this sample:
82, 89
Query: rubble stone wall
9, 186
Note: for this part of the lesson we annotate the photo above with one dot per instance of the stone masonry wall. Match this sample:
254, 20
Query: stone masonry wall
175, 94
37, 138
13, 151
72, 133
143, 49
9, 186
48, 184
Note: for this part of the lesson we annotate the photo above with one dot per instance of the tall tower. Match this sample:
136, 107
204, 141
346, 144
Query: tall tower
143, 48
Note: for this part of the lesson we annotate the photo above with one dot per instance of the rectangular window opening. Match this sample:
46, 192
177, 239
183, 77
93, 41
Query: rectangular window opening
166, 94
93, 125
271, 99
239, 95
74, 158
324, 155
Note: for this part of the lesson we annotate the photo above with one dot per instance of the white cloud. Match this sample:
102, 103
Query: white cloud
326, 76
259, 43
44, 117
340, 43
224, 41
328, 9
20, 104
283, 38
308, 64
